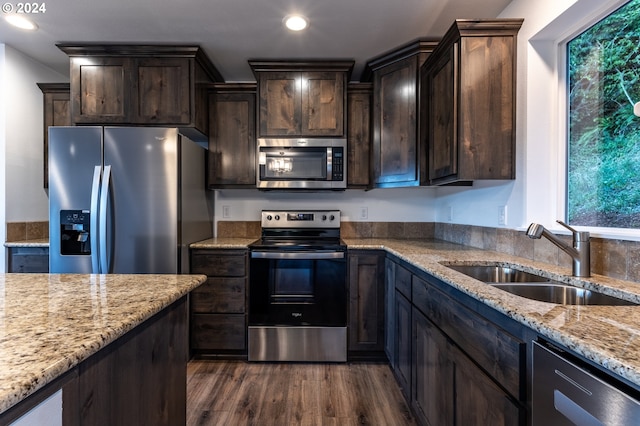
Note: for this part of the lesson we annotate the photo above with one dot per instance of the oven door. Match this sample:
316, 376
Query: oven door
298, 288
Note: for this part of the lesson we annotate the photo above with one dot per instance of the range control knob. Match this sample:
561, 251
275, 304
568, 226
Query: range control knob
324, 217
332, 217
277, 217
269, 217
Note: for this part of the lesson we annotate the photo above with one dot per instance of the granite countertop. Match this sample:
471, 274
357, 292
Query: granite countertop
42, 242
223, 243
49, 323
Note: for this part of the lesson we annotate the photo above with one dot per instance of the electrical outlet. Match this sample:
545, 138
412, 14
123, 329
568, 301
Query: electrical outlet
226, 212
364, 212
502, 215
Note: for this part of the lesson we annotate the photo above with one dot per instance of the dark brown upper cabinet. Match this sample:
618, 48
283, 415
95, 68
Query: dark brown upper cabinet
359, 135
301, 98
57, 112
232, 136
469, 94
398, 157
140, 85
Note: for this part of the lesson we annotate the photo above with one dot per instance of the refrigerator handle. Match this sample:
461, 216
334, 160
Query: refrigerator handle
104, 198
93, 221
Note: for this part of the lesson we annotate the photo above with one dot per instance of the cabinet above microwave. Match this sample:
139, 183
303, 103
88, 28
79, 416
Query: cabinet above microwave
305, 99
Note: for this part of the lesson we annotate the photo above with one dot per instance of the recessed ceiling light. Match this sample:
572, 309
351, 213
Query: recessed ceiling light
295, 22
21, 22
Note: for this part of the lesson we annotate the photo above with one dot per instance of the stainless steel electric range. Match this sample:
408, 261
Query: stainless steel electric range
297, 288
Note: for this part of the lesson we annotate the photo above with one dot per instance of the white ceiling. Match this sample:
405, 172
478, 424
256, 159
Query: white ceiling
234, 31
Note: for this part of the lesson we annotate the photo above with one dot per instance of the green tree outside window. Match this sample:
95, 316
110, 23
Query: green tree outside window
603, 183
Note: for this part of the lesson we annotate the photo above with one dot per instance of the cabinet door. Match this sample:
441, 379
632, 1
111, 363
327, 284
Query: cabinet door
440, 83
323, 101
358, 137
220, 295
366, 302
432, 373
280, 107
390, 309
218, 332
57, 112
478, 400
395, 124
163, 91
403, 344
101, 90
232, 140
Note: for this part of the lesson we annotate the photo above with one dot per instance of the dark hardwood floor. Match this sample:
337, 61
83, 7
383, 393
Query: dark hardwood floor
242, 393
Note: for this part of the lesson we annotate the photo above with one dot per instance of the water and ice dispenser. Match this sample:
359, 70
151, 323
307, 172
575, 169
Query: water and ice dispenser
75, 232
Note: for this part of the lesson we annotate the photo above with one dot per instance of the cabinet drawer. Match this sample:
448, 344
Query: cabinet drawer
499, 353
229, 264
219, 295
403, 281
218, 331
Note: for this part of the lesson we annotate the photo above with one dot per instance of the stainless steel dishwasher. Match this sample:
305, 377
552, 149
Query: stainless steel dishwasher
565, 393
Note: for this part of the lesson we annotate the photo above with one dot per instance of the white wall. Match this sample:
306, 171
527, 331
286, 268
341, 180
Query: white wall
21, 133
3, 157
26, 199
382, 205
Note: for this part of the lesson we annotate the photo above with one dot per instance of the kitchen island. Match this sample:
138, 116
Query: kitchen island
98, 338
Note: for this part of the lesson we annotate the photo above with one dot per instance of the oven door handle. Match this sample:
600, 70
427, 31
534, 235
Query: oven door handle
304, 255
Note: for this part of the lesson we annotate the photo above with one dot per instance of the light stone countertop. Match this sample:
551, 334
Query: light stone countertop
606, 335
42, 242
49, 323
223, 243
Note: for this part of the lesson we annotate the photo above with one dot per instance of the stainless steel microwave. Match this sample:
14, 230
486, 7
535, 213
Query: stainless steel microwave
301, 163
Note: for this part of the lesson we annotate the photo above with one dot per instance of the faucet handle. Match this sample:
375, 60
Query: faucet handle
577, 235
567, 226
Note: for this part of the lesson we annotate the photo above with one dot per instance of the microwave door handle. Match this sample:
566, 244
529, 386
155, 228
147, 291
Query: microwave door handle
94, 220
329, 163
306, 255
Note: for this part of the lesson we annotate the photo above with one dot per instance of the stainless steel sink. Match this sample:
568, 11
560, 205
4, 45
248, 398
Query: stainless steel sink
497, 274
561, 294
537, 287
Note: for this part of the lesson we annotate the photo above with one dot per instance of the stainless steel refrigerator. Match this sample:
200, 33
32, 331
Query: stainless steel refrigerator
125, 200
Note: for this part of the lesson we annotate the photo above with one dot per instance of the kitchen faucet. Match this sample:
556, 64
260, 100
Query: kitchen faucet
580, 252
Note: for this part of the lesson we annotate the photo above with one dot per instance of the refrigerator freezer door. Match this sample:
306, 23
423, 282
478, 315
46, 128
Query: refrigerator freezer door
142, 229
73, 154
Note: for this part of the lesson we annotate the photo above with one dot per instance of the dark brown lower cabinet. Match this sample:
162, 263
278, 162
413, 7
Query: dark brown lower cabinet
402, 367
449, 389
456, 361
140, 379
366, 304
218, 307
433, 388
28, 259
478, 399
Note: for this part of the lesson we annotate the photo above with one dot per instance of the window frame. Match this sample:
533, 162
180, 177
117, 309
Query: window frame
562, 71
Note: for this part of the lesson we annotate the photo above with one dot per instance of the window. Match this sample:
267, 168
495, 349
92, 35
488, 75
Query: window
603, 161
